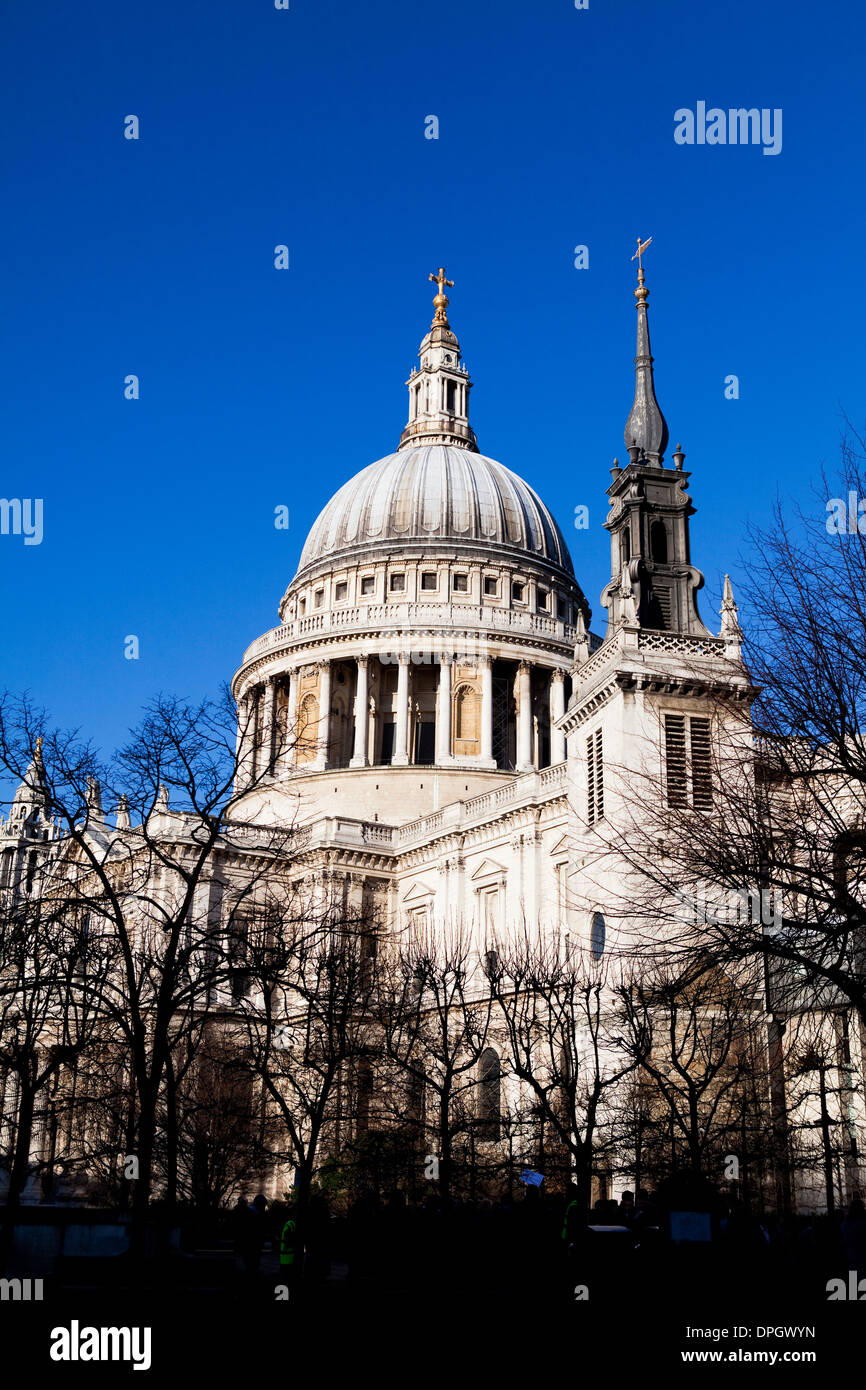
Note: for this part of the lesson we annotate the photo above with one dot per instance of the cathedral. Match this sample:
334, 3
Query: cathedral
450, 744
456, 720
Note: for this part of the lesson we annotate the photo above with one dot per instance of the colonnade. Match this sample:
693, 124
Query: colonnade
269, 738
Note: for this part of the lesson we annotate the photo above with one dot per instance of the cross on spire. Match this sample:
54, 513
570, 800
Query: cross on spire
440, 303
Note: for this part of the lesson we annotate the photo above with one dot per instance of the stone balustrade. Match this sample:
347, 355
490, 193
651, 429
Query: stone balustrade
530, 786
475, 618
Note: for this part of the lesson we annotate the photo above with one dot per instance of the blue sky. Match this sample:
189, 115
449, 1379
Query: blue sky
261, 387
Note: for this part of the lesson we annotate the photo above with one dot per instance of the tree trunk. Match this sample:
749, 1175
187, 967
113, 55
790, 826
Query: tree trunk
20, 1166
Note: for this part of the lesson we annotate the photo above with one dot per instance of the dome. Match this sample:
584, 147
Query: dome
437, 494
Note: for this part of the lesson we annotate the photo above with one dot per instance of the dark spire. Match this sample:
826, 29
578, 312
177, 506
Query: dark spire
33, 791
646, 431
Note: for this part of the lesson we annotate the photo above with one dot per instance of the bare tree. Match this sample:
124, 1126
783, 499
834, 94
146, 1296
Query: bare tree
52, 973
782, 821
151, 885
557, 1010
690, 1034
306, 1018
434, 1010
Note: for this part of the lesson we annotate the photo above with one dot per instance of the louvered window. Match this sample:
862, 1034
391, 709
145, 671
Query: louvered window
702, 773
594, 778
663, 598
688, 762
675, 758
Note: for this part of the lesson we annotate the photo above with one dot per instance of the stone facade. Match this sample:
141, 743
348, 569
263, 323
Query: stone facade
432, 713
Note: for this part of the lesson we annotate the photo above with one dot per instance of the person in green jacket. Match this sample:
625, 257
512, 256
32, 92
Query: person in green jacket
289, 1245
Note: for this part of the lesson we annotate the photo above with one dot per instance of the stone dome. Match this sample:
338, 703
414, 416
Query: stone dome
436, 494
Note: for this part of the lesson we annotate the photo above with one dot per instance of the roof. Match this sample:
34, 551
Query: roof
436, 493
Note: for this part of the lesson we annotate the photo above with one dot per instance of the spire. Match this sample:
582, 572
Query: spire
122, 821
646, 431
33, 791
93, 796
439, 388
581, 640
731, 630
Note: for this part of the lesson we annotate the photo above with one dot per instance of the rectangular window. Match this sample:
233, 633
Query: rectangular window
428, 579
368, 584
425, 742
688, 764
542, 600
491, 586
398, 583
490, 911
562, 894
675, 758
319, 598
594, 778
387, 741
702, 772
461, 583
341, 591
517, 592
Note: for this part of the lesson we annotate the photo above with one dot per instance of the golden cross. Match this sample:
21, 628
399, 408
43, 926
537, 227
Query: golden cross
641, 247
441, 281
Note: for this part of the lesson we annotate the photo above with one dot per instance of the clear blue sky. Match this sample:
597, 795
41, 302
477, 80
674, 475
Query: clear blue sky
261, 387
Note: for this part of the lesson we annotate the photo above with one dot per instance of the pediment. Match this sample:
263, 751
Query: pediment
562, 846
419, 892
489, 868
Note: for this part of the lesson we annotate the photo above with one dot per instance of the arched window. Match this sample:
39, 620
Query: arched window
597, 936
307, 730
489, 1110
659, 542
467, 708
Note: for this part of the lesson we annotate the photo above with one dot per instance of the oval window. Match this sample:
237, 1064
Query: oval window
597, 936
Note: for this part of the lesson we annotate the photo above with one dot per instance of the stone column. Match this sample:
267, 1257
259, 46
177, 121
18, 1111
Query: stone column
289, 755
355, 896
362, 702
257, 761
401, 733
557, 710
487, 709
443, 720
324, 716
269, 727
251, 734
524, 717
241, 743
